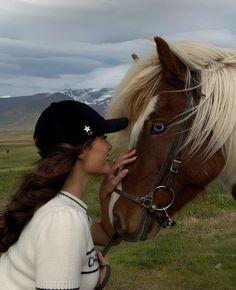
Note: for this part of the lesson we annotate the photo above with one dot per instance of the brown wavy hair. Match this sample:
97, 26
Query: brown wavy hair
36, 188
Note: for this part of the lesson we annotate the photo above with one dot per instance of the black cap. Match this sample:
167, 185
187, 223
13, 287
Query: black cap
73, 123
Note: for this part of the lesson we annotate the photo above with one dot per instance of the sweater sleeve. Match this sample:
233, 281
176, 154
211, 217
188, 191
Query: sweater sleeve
60, 250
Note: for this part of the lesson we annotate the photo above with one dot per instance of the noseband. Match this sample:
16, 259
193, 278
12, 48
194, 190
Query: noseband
171, 164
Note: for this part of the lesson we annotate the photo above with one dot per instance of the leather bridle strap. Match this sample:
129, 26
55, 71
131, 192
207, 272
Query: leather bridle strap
176, 146
127, 195
170, 162
170, 166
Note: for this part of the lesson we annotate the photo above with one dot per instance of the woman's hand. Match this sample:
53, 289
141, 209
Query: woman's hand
102, 260
116, 174
104, 273
110, 181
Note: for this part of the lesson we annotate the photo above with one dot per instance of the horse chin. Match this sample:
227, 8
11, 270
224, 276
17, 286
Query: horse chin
151, 229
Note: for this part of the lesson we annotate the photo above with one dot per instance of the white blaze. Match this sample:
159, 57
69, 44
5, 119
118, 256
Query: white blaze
132, 142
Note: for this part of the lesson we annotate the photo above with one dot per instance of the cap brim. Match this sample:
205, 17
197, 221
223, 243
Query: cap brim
115, 125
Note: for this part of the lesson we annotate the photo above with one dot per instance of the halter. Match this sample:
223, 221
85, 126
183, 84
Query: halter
170, 167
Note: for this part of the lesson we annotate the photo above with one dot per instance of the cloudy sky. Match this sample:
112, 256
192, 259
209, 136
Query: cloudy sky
51, 45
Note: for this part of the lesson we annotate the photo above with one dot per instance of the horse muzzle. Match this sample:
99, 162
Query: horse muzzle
140, 230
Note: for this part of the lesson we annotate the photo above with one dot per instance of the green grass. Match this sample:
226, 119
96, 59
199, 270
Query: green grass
184, 257
177, 259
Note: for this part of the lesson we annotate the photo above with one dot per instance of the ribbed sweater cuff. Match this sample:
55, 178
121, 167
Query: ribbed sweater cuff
60, 285
57, 289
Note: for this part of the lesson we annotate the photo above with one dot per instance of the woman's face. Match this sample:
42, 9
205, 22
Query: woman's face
95, 157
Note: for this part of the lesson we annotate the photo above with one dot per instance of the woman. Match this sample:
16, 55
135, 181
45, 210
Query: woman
45, 232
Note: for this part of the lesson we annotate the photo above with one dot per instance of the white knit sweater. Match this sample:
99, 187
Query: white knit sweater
54, 251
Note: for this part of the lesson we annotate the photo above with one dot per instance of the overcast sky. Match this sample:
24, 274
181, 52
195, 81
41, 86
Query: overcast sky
51, 45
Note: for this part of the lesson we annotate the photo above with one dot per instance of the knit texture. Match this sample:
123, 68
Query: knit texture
55, 250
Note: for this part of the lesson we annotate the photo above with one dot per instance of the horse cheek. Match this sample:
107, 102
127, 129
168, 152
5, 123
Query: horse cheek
207, 171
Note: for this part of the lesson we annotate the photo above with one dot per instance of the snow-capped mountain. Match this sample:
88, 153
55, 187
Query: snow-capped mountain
96, 98
21, 113
90, 96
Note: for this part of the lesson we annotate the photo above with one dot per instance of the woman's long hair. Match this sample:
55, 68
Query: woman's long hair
36, 188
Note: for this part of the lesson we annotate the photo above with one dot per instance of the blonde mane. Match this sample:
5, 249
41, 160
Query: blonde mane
215, 115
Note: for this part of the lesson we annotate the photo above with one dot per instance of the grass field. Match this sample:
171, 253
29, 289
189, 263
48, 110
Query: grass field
199, 254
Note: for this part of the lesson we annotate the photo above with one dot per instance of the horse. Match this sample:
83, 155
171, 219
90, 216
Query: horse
180, 100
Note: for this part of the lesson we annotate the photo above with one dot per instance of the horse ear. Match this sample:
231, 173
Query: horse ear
169, 60
135, 57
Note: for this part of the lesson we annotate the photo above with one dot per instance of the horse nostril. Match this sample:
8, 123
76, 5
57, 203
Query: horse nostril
118, 223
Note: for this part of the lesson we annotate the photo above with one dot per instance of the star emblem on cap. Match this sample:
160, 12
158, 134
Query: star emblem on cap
88, 130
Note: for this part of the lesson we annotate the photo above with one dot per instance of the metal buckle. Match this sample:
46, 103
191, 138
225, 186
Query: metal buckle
146, 201
175, 166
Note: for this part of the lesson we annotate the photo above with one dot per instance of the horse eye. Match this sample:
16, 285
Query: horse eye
158, 128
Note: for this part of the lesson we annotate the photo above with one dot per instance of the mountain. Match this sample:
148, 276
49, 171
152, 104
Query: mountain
21, 113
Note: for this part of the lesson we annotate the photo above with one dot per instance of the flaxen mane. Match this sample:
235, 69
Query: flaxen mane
215, 115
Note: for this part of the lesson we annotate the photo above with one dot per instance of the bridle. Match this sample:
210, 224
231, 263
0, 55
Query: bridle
169, 167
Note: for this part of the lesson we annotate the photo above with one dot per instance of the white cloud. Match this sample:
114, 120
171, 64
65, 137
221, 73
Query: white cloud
57, 43
98, 78
103, 77
221, 37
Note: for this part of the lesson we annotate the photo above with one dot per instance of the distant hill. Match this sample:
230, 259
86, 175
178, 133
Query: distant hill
21, 113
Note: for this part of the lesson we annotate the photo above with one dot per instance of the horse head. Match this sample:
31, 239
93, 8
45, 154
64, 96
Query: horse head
169, 100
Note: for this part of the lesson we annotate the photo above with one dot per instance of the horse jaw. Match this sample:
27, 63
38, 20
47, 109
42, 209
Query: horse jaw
145, 232
151, 231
